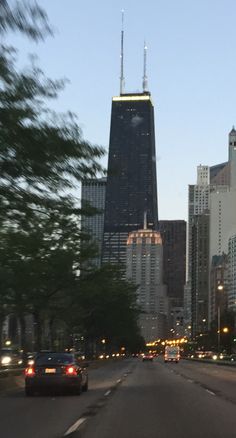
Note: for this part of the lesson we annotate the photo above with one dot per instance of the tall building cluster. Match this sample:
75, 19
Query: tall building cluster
210, 285
150, 253
185, 273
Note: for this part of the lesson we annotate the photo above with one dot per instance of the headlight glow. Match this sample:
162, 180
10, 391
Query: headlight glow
6, 360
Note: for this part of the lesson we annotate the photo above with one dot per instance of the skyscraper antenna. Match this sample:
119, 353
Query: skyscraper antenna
122, 79
145, 81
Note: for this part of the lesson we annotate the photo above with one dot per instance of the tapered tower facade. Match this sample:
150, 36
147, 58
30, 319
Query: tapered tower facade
131, 180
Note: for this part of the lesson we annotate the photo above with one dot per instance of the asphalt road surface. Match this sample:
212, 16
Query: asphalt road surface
131, 399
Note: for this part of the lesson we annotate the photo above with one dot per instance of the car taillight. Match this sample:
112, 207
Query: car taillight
30, 371
71, 371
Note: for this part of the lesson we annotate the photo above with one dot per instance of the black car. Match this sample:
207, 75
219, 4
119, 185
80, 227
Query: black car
55, 371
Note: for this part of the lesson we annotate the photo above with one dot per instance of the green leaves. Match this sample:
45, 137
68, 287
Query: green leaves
30, 20
107, 306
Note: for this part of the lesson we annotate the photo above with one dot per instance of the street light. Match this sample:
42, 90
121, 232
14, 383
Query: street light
220, 287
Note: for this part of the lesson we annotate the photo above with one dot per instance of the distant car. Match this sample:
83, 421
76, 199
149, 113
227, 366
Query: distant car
147, 356
136, 355
30, 357
55, 371
10, 358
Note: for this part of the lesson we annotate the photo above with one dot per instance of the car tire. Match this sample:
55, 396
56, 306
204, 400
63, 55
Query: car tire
29, 392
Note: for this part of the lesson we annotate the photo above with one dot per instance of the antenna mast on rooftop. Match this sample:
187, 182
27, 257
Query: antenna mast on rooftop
145, 81
122, 79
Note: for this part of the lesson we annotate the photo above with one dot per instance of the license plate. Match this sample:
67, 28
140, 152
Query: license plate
50, 370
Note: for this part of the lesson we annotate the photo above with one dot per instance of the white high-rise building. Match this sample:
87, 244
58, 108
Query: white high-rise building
222, 228
198, 202
144, 267
199, 193
232, 157
222, 220
223, 205
232, 273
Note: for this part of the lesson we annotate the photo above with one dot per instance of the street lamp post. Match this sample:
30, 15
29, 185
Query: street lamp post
220, 287
218, 328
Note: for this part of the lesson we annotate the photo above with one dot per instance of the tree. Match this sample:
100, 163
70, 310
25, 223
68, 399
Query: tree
42, 157
107, 307
42, 154
28, 19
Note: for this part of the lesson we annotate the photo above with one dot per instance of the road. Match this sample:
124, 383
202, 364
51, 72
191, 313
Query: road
131, 399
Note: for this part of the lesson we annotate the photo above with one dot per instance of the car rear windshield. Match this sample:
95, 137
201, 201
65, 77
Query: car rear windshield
54, 359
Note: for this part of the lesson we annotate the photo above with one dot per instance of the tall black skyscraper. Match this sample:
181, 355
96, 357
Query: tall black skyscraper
131, 180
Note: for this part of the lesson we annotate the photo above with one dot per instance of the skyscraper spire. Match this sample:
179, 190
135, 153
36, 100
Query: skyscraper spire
145, 82
122, 79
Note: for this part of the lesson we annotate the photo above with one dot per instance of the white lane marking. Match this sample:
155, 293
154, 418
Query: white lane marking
190, 380
210, 392
75, 426
107, 393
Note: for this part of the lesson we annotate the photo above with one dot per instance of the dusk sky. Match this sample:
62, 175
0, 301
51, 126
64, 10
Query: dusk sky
191, 67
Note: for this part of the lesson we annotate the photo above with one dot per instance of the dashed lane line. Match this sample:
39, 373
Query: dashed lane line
210, 392
75, 426
81, 420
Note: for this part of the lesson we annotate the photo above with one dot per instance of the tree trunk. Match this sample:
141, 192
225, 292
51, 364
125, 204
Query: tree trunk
51, 337
1, 328
22, 332
37, 331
